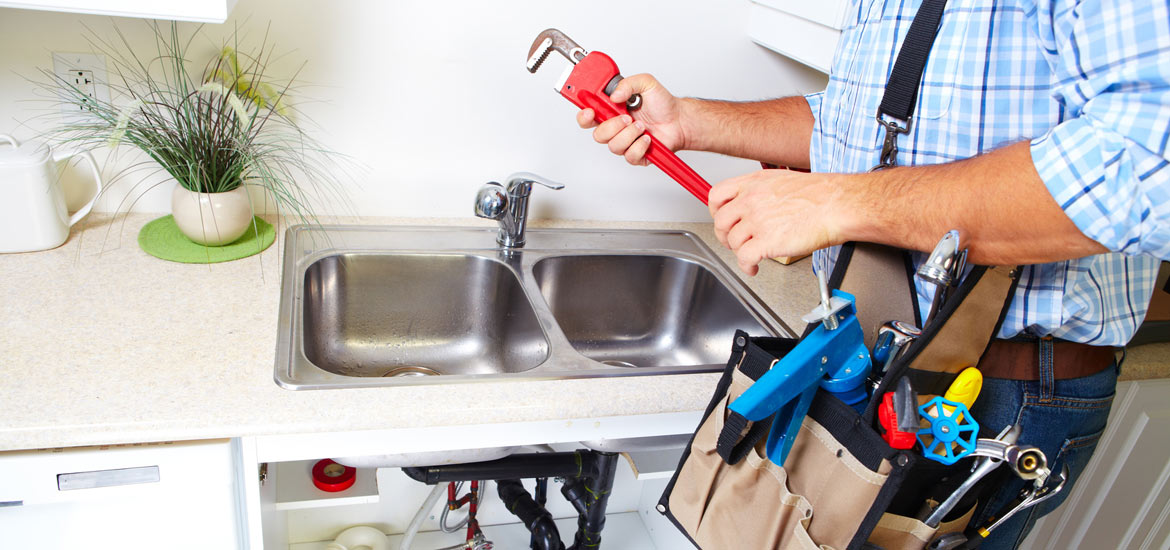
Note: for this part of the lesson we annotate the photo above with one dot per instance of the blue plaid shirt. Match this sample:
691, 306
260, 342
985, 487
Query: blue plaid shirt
1087, 83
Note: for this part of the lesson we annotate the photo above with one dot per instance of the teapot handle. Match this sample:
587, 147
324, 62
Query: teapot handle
97, 177
10, 139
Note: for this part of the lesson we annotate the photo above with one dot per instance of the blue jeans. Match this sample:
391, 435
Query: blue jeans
1064, 418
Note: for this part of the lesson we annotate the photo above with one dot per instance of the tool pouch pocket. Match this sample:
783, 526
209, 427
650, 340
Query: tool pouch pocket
838, 479
894, 532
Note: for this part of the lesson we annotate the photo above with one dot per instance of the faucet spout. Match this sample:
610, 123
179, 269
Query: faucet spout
508, 204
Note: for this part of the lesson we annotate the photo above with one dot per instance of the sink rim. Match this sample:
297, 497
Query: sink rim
293, 370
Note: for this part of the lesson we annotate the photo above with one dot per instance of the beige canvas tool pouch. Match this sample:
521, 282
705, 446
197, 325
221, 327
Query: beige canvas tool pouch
821, 501
840, 478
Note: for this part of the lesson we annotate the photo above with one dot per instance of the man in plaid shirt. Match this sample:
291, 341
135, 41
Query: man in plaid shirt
1041, 134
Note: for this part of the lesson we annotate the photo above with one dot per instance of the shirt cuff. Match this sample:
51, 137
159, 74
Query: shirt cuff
1090, 174
814, 104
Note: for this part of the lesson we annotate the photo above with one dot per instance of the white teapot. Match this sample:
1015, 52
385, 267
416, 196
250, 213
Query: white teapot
32, 205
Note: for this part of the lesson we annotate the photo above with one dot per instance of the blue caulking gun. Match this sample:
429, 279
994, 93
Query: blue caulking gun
833, 356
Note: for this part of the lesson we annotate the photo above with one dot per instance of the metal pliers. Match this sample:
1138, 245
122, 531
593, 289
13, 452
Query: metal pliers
1027, 461
588, 85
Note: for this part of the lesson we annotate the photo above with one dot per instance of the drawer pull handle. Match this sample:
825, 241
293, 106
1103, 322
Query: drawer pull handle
107, 478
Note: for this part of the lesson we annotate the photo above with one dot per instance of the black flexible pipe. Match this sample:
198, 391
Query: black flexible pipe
536, 518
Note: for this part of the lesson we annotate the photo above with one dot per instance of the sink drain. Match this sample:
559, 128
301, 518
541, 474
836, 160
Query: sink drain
616, 363
410, 371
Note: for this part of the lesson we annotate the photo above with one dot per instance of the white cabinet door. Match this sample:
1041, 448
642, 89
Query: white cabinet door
804, 31
1123, 498
206, 11
180, 495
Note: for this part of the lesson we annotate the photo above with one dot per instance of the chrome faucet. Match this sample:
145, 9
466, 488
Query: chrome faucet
509, 205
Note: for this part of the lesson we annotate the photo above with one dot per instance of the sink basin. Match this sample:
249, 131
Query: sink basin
642, 310
366, 306
418, 314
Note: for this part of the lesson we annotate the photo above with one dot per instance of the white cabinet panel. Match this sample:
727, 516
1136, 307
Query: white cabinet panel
1123, 498
830, 13
786, 28
180, 495
207, 11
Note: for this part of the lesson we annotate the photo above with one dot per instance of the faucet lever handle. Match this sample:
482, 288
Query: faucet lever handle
528, 178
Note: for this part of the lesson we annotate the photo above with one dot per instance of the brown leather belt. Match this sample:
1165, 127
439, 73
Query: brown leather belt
1021, 360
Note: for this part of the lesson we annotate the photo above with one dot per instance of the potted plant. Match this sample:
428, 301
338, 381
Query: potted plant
215, 132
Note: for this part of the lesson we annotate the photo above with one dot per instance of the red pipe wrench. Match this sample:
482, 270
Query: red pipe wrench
588, 84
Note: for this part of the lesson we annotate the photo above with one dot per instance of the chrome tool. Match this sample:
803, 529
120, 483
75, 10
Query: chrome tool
1040, 491
1027, 461
940, 270
892, 339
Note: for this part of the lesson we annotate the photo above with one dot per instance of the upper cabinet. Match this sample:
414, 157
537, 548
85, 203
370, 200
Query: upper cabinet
802, 30
205, 11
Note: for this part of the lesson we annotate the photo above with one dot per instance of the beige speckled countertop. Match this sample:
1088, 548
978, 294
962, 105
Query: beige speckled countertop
101, 343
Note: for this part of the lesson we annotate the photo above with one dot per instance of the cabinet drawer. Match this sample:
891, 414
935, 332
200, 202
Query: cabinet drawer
135, 496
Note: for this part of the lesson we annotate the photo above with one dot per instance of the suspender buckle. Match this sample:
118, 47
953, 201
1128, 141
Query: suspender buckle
891, 127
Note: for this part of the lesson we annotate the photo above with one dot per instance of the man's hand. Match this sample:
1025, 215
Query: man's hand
774, 213
996, 201
661, 114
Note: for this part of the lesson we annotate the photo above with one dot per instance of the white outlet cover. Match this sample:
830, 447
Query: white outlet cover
65, 62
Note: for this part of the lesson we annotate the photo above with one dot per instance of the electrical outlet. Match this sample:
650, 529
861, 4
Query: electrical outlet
84, 71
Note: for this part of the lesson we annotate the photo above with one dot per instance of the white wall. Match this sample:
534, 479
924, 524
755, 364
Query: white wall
432, 98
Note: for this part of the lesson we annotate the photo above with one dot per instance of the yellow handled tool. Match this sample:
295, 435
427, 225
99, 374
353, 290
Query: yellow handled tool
965, 388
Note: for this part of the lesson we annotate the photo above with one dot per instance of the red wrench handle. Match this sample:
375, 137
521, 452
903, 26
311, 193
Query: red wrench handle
585, 88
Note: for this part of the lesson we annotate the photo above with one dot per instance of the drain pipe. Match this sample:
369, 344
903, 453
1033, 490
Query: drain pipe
590, 496
589, 475
536, 518
523, 465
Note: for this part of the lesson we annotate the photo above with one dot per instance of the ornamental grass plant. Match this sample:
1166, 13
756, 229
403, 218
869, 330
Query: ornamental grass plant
211, 129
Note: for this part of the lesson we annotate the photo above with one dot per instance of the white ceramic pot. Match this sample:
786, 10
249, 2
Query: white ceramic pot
212, 219
32, 204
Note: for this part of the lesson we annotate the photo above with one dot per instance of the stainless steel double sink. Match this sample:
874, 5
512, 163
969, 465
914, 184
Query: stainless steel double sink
366, 306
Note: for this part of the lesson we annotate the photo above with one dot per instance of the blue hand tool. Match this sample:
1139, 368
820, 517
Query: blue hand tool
952, 434
833, 357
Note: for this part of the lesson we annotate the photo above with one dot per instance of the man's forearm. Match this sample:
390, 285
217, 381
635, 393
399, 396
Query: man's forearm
997, 201
776, 131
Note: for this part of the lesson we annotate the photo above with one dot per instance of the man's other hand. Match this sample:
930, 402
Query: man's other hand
774, 213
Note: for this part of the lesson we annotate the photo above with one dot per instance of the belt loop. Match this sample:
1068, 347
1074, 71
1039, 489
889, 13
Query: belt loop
1046, 377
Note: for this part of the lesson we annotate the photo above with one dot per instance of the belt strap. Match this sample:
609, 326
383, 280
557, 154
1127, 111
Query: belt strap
901, 93
1021, 360
902, 87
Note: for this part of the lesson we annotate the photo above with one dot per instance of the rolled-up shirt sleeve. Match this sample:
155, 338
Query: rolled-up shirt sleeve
815, 153
1106, 163
814, 103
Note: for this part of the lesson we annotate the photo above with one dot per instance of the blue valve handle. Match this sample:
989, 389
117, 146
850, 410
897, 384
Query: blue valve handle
952, 434
836, 360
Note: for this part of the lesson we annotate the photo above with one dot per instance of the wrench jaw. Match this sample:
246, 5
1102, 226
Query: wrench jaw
551, 40
1040, 491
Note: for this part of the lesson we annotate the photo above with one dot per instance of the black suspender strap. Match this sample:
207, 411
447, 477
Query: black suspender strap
897, 107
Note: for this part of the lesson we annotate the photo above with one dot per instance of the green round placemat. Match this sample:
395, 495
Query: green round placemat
161, 238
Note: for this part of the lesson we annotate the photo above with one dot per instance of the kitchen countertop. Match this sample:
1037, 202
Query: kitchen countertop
104, 344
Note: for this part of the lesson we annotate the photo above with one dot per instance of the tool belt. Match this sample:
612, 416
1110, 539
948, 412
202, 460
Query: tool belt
837, 484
